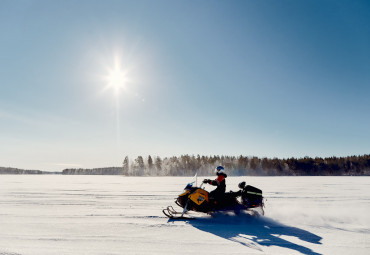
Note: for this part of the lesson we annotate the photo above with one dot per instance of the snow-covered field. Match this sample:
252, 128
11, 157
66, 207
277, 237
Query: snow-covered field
122, 215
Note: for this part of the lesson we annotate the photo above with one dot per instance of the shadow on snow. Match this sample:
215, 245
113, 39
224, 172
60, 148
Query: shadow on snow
254, 232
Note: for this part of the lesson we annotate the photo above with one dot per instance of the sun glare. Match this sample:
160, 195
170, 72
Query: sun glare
116, 78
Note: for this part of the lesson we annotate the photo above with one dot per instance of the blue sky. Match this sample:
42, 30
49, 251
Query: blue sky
254, 78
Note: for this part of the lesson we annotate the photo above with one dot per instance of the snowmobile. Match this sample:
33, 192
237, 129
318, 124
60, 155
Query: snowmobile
197, 199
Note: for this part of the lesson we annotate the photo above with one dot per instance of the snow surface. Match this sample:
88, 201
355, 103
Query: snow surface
55, 214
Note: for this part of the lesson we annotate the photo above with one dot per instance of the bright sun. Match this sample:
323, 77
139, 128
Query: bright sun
116, 78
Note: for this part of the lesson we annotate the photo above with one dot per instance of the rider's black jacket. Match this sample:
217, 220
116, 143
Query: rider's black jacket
220, 182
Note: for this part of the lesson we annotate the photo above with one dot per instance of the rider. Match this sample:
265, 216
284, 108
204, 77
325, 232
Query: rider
220, 182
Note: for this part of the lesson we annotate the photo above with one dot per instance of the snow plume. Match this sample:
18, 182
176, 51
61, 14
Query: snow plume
327, 201
354, 218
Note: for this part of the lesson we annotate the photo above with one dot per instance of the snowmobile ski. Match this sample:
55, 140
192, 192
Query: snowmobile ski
173, 214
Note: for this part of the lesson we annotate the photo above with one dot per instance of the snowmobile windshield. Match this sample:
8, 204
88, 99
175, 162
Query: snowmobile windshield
189, 186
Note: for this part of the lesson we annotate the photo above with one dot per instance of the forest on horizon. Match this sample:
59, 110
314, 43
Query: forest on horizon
189, 165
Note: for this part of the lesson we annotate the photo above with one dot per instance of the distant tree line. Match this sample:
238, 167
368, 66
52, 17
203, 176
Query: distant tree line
94, 171
11, 170
188, 165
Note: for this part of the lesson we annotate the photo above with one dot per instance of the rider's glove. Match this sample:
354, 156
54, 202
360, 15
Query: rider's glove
206, 181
